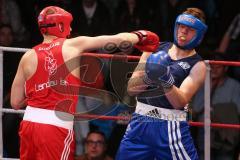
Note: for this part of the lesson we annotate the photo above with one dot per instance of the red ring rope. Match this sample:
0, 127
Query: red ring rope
216, 125
196, 124
225, 63
117, 56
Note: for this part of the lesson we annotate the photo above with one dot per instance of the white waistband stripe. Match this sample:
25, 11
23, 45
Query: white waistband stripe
45, 116
160, 113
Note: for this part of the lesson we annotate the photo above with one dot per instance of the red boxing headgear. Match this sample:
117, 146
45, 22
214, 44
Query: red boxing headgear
55, 21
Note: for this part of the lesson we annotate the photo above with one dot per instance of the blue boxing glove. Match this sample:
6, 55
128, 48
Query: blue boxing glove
158, 71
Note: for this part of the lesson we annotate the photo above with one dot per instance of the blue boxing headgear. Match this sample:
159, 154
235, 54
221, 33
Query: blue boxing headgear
193, 22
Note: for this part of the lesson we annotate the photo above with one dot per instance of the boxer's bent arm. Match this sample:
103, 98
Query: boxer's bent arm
180, 97
18, 90
136, 85
84, 43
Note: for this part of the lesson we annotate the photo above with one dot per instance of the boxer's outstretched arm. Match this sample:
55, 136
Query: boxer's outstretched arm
84, 43
144, 42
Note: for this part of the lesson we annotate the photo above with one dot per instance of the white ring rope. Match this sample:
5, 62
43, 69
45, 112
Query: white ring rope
12, 49
6, 110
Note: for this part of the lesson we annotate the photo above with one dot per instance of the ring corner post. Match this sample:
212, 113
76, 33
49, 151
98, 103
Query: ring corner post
207, 116
1, 102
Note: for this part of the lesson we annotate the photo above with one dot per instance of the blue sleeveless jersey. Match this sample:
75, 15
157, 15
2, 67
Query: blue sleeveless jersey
179, 69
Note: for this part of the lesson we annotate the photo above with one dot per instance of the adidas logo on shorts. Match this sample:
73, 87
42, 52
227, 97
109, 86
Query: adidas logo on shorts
154, 113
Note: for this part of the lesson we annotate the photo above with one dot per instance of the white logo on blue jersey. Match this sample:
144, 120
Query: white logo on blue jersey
184, 65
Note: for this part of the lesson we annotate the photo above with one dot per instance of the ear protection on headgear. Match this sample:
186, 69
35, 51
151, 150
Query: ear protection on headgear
55, 21
193, 22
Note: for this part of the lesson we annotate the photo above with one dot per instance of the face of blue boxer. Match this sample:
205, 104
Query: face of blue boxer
185, 34
188, 31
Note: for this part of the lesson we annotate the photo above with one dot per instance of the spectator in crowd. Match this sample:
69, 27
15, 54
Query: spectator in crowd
230, 41
92, 18
112, 5
10, 14
230, 44
223, 21
128, 16
6, 35
225, 92
95, 146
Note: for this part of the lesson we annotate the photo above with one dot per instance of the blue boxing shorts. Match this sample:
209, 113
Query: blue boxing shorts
157, 134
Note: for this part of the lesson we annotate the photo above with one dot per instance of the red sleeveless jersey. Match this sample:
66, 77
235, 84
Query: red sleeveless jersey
52, 86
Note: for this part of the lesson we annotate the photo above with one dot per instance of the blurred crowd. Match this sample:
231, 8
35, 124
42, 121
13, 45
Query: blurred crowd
18, 23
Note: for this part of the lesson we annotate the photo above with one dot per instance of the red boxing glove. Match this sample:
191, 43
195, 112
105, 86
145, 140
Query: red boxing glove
148, 41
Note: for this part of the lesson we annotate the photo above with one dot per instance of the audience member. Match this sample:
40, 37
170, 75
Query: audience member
10, 14
223, 7
6, 35
230, 41
112, 6
230, 44
95, 147
92, 18
225, 93
128, 16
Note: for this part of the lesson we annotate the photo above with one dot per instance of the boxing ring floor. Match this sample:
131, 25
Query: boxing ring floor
207, 119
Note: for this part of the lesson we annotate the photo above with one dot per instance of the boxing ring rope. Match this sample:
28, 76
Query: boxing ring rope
126, 118
207, 121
